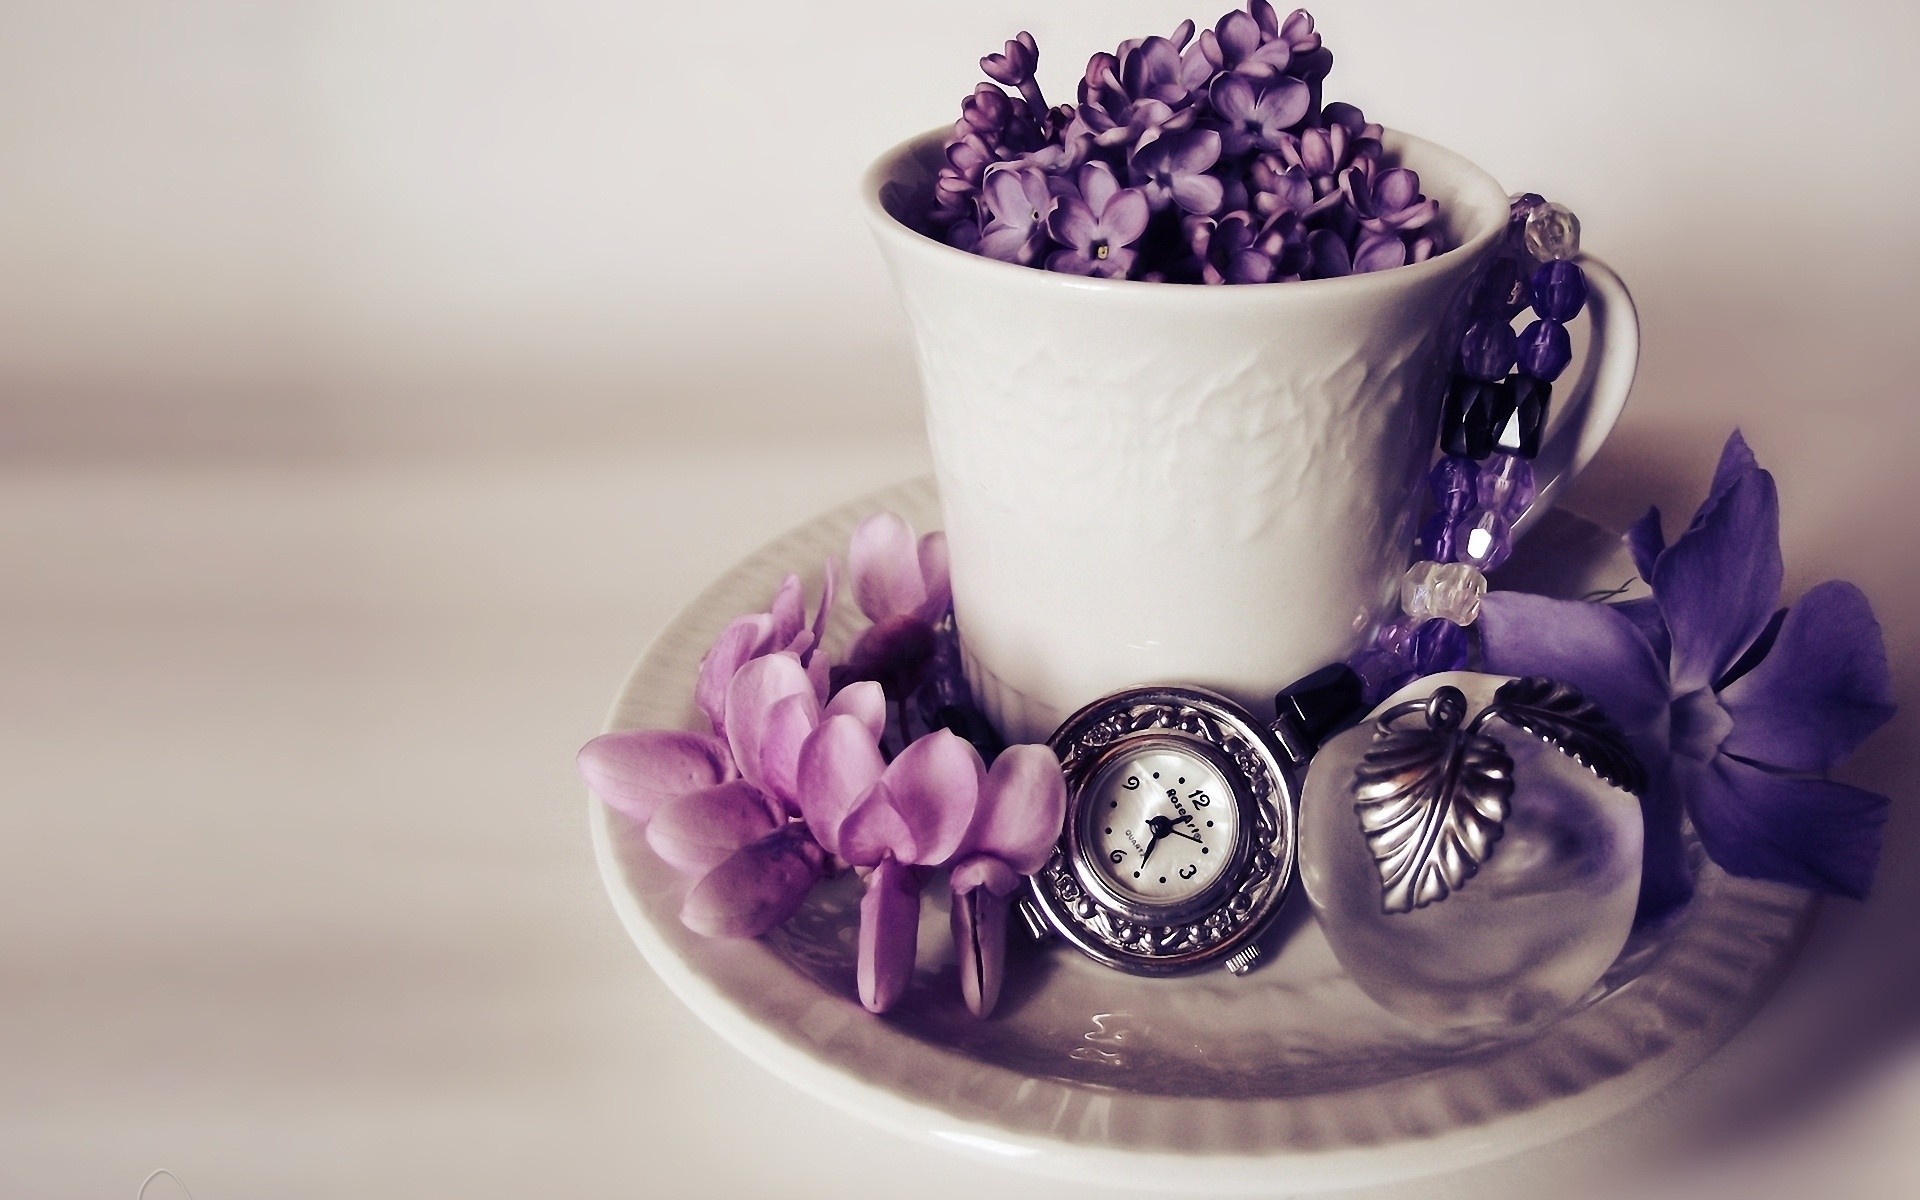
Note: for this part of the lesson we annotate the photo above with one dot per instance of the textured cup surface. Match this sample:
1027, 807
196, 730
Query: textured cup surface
1163, 483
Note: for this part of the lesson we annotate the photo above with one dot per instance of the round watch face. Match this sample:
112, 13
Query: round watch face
1160, 823
1179, 840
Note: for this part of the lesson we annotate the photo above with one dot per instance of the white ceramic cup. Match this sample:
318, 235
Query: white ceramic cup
1166, 483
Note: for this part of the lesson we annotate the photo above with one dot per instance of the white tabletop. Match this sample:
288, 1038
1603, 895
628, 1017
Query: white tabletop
299, 898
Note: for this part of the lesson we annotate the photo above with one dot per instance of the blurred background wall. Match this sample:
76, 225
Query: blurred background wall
317, 229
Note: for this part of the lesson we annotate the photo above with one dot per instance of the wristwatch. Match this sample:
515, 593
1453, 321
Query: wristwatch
1179, 840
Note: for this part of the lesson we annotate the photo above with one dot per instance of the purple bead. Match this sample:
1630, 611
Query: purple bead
1439, 645
1558, 290
1545, 350
1501, 291
1484, 539
1436, 538
1487, 351
1453, 481
1396, 638
1505, 485
1381, 674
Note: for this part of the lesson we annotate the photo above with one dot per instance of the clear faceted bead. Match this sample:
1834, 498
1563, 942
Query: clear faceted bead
1484, 540
1416, 590
1505, 485
1552, 233
1454, 591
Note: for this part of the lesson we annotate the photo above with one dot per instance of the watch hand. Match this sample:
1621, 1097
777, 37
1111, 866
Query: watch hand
1151, 843
1192, 837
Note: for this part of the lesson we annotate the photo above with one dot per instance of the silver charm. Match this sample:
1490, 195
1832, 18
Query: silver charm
1432, 798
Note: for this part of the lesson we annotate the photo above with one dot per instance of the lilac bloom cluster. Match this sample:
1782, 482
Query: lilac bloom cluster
811, 767
1738, 708
1207, 159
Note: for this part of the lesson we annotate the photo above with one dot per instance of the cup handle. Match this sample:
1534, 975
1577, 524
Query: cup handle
1587, 413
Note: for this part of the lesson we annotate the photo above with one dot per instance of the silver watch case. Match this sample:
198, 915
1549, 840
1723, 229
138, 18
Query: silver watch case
1070, 893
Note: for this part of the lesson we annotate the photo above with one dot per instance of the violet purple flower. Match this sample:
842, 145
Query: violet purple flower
1256, 116
1737, 710
1097, 221
1172, 170
1018, 201
1230, 121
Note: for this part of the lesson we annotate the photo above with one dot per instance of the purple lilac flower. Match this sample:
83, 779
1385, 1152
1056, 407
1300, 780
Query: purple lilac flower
1014, 67
1173, 171
1097, 222
1226, 249
1018, 201
1239, 44
1737, 709
1389, 201
1148, 113
1256, 115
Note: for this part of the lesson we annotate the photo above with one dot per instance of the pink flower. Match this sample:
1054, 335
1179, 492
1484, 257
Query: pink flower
933, 806
783, 627
901, 584
772, 707
753, 865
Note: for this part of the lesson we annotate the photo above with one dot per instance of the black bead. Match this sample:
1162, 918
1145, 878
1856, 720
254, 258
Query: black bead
1522, 415
1318, 704
1467, 421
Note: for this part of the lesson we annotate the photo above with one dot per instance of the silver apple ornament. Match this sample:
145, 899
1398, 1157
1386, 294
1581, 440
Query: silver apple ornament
1472, 849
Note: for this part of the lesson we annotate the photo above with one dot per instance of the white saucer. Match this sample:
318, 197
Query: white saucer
1286, 1079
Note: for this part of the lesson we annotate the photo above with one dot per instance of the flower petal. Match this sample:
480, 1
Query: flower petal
757, 887
934, 785
935, 577
789, 722
889, 931
1646, 542
1820, 691
1645, 615
1718, 583
697, 832
874, 830
757, 687
1811, 832
885, 564
742, 639
1125, 216
864, 699
979, 919
636, 771
788, 610
1022, 807
1736, 463
839, 764
829, 585
1590, 646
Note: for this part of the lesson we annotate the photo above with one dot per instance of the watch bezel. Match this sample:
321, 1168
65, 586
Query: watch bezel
1142, 939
